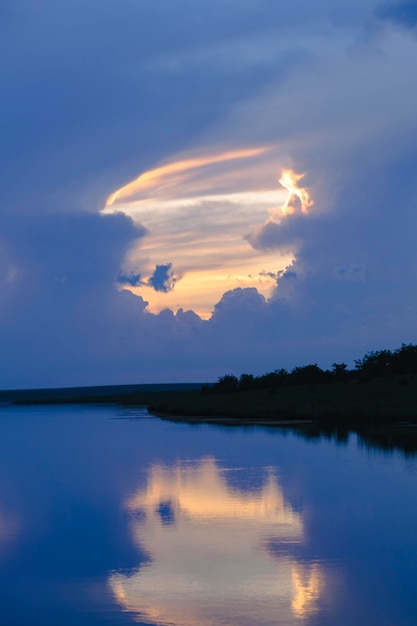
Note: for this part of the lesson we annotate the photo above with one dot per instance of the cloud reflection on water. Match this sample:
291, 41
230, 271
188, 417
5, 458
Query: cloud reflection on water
208, 548
9, 530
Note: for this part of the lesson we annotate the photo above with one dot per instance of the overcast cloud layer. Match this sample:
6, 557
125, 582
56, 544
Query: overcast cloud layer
95, 93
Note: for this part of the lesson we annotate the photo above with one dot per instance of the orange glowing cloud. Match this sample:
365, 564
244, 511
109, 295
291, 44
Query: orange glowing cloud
299, 198
273, 234
173, 173
196, 210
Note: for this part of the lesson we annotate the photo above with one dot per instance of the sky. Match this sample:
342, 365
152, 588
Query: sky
194, 188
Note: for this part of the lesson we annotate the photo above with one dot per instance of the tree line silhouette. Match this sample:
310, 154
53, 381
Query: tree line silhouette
375, 364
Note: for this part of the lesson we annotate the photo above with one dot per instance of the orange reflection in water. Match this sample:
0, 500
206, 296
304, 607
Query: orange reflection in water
209, 558
308, 585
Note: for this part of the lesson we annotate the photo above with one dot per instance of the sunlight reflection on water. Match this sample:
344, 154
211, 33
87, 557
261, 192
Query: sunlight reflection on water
208, 548
111, 517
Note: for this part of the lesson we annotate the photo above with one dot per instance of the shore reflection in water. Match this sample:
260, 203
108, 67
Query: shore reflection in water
208, 548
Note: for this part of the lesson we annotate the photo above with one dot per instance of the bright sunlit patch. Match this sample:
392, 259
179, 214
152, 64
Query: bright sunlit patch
172, 174
196, 212
299, 198
210, 284
268, 236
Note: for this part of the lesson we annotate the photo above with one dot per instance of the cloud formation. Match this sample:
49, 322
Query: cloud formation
196, 211
403, 13
169, 175
163, 278
94, 95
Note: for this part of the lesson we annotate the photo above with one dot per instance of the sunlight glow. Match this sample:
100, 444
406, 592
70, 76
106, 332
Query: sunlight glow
165, 174
210, 285
299, 198
197, 212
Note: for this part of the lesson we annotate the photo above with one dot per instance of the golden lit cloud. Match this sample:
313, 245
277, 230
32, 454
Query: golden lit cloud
272, 234
196, 212
173, 173
209, 558
299, 198
241, 267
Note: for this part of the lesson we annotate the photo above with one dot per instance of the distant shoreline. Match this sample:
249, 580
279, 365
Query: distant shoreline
380, 390
379, 401
382, 413
96, 394
230, 420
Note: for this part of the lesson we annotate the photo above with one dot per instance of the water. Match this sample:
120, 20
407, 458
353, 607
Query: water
111, 516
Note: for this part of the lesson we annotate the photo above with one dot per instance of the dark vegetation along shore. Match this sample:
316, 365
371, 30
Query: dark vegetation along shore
380, 391
381, 388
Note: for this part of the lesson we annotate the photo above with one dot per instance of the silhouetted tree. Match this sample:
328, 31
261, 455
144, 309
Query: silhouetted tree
375, 363
308, 374
227, 384
339, 371
404, 359
273, 380
246, 382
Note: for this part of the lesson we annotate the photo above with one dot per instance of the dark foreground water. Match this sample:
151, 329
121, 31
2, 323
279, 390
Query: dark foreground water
114, 517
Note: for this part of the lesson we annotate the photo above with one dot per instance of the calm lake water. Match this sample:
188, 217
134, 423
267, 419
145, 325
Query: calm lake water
111, 516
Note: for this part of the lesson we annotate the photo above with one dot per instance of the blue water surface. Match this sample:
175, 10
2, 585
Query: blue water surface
113, 516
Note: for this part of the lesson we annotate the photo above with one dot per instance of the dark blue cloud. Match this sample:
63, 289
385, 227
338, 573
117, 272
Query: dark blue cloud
131, 280
285, 235
57, 295
163, 278
403, 13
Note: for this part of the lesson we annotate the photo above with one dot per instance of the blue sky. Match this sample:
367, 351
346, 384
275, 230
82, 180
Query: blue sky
210, 266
